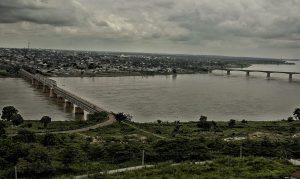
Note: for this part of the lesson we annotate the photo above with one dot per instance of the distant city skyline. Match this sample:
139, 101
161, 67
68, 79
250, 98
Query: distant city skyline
253, 28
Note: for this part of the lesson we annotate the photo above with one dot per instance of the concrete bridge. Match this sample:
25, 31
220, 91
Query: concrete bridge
290, 74
63, 96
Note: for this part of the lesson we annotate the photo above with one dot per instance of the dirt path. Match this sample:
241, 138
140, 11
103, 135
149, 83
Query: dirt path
156, 135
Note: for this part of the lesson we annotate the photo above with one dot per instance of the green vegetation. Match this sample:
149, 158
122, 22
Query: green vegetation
264, 147
14, 122
3, 73
224, 167
8, 112
123, 117
119, 145
9, 70
98, 117
11, 114
297, 113
45, 120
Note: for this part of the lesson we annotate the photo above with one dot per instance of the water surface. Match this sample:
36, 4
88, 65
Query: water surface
180, 97
186, 97
32, 103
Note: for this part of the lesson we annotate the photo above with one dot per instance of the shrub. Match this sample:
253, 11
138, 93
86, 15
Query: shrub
98, 117
123, 117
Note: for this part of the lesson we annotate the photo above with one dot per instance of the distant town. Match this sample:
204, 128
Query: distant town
90, 63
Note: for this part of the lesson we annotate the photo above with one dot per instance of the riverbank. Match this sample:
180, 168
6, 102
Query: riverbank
120, 74
239, 129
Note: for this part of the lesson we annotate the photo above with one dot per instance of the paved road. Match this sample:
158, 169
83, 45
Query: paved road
137, 168
115, 171
111, 120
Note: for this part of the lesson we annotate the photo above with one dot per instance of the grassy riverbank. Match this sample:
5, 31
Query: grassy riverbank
263, 144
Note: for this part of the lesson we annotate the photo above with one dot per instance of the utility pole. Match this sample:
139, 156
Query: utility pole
16, 173
143, 158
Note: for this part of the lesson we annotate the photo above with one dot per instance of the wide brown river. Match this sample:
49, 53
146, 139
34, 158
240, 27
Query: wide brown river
181, 97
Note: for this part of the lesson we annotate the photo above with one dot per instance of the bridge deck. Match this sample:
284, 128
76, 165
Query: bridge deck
80, 102
263, 71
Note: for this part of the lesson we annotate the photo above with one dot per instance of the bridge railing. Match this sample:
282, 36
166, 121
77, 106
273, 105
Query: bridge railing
41, 78
77, 100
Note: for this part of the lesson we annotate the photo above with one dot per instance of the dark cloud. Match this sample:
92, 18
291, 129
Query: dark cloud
214, 26
56, 13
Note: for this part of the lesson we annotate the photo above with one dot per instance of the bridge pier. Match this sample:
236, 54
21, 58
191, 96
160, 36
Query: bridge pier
228, 72
52, 94
268, 74
35, 83
290, 76
46, 89
61, 99
39, 85
69, 104
78, 110
49, 85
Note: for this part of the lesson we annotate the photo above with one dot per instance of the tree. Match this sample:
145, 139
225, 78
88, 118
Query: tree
8, 112
203, 123
203, 118
25, 136
2, 125
231, 123
2, 130
244, 121
297, 113
69, 155
290, 119
174, 71
49, 139
123, 117
37, 163
17, 119
45, 120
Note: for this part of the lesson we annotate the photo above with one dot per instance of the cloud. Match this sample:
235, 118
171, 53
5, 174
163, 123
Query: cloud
177, 26
54, 12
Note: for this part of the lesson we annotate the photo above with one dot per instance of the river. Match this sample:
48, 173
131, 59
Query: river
169, 98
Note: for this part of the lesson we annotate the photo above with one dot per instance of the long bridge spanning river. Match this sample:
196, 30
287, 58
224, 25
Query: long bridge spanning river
63, 96
253, 71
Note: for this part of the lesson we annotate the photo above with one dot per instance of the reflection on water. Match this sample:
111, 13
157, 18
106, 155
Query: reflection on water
169, 97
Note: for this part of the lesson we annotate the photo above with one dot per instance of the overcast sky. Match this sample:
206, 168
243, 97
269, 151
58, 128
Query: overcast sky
266, 28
